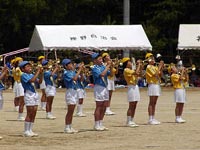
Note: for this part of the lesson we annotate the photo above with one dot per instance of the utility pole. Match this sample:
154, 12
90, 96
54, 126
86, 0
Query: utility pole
126, 20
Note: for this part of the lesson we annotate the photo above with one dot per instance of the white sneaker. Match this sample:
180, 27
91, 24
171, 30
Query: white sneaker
80, 115
16, 109
74, 131
132, 124
98, 128
109, 112
43, 108
158, 122
27, 134
21, 118
33, 134
180, 120
50, 116
104, 128
153, 122
68, 131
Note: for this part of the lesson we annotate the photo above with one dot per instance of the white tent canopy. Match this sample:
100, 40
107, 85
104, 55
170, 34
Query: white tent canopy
100, 37
189, 36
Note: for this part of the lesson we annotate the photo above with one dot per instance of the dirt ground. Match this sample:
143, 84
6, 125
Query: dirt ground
167, 135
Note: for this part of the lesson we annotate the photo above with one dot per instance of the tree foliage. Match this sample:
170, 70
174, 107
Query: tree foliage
160, 18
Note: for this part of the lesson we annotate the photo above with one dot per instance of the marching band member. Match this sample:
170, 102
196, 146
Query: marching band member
42, 86
101, 94
18, 89
16, 100
133, 94
179, 62
3, 73
81, 84
50, 91
110, 81
31, 97
153, 74
70, 78
179, 80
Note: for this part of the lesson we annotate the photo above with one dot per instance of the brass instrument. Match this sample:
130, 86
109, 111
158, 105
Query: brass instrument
90, 65
140, 68
116, 62
86, 70
1, 57
190, 69
53, 63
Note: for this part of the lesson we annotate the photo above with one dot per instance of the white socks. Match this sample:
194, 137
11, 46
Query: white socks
129, 119
79, 108
151, 118
97, 123
68, 126
108, 109
43, 104
28, 126
20, 115
48, 113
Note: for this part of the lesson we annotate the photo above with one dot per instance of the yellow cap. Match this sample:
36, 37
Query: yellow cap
41, 57
105, 54
18, 59
12, 62
170, 67
148, 55
125, 59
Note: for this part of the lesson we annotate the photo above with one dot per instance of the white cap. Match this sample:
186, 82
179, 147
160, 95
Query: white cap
158, 55
178, 57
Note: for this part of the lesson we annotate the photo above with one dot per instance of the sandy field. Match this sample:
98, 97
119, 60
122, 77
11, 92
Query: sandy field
167, 135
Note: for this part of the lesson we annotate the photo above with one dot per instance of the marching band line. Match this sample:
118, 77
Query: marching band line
77, 76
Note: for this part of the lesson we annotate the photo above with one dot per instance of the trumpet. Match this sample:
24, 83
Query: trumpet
116, 62
190, 69
90, 65
53, 63
1, 57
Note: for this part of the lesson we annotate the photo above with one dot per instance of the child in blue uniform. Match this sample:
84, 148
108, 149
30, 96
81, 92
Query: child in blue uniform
49, 78
81, 84
70, 80
31, 97
2, 75
101, 93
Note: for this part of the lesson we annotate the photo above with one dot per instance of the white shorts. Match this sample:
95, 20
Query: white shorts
154, 90
42, 85
81, 93
1, 100
180, 95
71, 97
111, 85
133, 93
31, 99
101, 93
50, 90
18, 89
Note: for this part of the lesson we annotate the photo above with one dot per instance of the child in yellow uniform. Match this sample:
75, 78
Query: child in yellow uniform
130, 76
110, 81
179, 81
18, 89
153, 74
42, 86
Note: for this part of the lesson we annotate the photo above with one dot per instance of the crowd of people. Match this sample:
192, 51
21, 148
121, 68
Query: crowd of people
76, 78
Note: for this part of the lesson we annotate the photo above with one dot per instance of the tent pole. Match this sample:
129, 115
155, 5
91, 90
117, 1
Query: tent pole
126, 19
